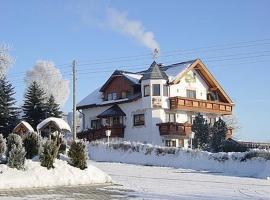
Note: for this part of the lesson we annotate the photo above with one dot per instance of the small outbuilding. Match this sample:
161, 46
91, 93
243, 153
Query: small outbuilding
23, 128
53, 126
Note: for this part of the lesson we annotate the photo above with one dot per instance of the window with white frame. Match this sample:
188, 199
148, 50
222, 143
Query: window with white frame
191, 94
156, 89
146, 90
170, 117
112, 96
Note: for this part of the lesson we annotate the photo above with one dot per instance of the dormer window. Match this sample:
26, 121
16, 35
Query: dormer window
156, 89
112, 96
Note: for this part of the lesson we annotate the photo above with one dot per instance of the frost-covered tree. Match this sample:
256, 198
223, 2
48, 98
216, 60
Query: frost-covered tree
218, 135
8, 110
5, 59
201, 129
3, 147
34, 107
15, 152
52, 108
50, 80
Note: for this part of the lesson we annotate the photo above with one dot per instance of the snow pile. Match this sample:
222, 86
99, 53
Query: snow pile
235, 164
62, 175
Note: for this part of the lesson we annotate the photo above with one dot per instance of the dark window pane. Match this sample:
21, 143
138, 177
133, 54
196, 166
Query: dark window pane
191, 94
146, 89
156, 90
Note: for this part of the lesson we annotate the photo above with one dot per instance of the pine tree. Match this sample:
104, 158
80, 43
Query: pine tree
78, 155
218, 135
34, 105
201, 129
8, 111
52, 108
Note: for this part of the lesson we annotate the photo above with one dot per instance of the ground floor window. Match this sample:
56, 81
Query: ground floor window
95, 124
138, 120
170, 143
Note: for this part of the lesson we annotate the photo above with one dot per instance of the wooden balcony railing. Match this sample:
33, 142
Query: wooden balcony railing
174, 128
96, 134
198, 105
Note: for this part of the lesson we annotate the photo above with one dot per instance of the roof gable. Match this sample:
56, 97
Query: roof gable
207, 76
131, 78
115, 110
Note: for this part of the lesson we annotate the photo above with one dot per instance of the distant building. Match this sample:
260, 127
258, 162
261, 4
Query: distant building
155, 106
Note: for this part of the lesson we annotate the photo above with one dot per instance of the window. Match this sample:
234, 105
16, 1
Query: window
211, 120
112, 96
191, 94
95, 124
138, 120
165, 90
156, 90
170, 143
170, 117
190, 119
146, 90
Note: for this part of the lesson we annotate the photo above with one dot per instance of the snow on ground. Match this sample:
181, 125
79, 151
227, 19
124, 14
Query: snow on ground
150, 182
145, 154
36, 176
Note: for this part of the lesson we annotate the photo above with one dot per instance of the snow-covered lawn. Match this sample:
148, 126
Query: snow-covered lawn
233, 163
36, 176
150, 182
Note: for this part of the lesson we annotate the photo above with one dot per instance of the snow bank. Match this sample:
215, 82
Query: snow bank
62, 175
233, 164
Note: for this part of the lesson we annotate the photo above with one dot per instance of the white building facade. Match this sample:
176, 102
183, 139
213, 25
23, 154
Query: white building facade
155, 106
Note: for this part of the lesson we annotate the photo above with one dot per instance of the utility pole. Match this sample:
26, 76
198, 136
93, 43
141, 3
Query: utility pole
74, 100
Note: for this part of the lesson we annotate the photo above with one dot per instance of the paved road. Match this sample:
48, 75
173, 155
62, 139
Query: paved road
68, 193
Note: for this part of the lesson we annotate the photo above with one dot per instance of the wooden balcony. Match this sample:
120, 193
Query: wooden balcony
174, 129
96, 134
198, 105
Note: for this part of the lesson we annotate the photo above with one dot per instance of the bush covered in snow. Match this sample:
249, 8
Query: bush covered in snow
78, 155
16, 153
3, 147
254, 163
50, 151
32, 145
13, 139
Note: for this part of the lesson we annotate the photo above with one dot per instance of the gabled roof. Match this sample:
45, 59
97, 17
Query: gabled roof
26, 125
154, 72
113, 111
206, 75
58, 122
132, 78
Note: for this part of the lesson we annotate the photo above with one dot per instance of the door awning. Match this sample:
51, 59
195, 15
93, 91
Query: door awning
113, 111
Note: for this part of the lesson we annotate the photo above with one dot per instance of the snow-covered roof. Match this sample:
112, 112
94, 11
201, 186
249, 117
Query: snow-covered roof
93, 98
27, 125
62, 125
175, 70
135, 78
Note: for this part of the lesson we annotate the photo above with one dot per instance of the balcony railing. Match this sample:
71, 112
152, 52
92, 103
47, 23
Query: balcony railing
198, 105
174, 129
96, 134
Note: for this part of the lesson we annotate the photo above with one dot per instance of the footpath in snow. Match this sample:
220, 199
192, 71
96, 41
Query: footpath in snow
143, 154
63, 174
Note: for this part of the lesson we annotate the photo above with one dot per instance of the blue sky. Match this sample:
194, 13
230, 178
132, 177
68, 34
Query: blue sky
231, 37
